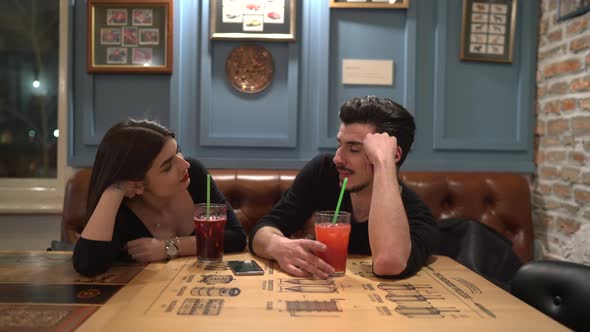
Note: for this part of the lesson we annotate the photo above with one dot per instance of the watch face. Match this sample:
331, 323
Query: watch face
171, 250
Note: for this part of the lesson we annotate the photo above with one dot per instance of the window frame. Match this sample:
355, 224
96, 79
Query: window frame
45, 195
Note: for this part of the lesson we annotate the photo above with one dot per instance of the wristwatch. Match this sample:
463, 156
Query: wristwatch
171, 248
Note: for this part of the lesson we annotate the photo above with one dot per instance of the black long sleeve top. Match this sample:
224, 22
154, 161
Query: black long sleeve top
317, 188
94, 257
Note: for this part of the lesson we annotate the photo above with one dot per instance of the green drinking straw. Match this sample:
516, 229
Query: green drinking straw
208, 196
339, 200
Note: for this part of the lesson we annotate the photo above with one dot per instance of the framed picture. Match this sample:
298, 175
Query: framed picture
571, 8
130, 36
391, 4
270, 20
487, 30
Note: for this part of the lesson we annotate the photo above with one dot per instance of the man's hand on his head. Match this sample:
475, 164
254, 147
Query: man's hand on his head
299, 257
380, 148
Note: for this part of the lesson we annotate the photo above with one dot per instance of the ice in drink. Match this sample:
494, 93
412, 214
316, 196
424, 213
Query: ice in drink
209, 232
335, 237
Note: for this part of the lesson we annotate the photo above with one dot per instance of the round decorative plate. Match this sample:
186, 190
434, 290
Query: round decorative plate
249, 68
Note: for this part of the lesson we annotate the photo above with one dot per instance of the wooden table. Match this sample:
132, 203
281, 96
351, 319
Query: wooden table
182, 295
40, 291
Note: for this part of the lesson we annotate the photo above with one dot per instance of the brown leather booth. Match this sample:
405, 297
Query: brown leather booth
499, 200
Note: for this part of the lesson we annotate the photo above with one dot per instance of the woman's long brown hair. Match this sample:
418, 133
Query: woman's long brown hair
125, 153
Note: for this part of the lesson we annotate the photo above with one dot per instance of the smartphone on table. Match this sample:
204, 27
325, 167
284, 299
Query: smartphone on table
245, 268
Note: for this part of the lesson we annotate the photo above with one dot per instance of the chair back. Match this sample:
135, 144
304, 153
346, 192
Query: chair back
559, 289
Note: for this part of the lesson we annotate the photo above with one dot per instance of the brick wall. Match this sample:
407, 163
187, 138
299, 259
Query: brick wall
561, 186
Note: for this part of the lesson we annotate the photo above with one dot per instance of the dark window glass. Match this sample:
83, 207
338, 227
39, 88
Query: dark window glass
29, 52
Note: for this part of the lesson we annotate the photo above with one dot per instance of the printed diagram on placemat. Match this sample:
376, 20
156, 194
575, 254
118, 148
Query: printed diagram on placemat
196, 290
308, 286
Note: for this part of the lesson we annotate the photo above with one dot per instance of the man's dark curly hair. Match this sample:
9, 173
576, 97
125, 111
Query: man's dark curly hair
386, 115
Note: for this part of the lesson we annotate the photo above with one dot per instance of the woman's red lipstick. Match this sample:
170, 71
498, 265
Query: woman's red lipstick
185, 177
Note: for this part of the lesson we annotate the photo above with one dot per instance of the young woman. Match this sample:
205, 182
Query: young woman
141, 200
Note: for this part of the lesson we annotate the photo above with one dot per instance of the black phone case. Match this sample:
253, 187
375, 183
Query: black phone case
245, 268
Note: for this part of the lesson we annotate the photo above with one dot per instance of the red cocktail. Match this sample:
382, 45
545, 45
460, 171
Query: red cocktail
209, 232
335, 237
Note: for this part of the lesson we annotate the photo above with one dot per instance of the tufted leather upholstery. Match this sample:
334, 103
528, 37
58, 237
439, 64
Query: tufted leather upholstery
499, 200
252, 193
74, 209
559, 289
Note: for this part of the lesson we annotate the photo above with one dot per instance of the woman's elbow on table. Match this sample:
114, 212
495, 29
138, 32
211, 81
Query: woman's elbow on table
89, 269
89, 266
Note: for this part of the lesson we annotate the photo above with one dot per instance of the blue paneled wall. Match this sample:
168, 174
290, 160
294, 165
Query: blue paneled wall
470, 115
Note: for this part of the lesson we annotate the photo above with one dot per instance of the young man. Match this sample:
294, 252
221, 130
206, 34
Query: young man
388, 221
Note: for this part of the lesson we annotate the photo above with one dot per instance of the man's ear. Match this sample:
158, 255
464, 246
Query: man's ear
398, 154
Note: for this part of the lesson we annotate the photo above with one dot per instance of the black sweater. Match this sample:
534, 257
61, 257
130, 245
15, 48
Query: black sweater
94, 257
317, 188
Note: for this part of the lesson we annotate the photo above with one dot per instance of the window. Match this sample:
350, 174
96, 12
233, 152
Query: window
28, 88
33, 69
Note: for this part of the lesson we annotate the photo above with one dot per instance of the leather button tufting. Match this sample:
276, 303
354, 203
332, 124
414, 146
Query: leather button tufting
557, 300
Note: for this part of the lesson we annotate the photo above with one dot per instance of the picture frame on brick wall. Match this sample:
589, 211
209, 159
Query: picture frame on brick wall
567, 9
487, 30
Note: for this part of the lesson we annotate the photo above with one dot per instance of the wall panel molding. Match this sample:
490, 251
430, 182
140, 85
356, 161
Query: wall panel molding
184, 83
407, 68
208, 93
518, 140
453, 132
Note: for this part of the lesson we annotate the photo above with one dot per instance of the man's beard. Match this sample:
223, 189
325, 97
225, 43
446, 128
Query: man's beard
355, 189
358, 188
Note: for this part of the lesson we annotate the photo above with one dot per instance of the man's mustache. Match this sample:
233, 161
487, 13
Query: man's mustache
342, 168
